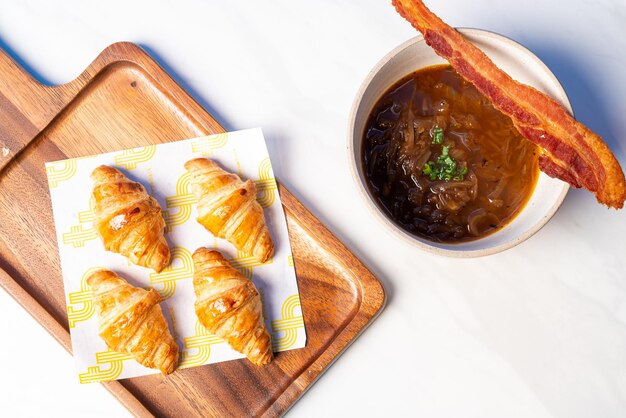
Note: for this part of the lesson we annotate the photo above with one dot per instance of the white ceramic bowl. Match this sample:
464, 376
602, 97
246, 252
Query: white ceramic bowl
523, 66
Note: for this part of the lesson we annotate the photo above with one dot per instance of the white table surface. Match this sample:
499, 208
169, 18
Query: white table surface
537, 331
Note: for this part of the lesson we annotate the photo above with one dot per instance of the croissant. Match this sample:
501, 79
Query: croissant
130, 321
129, 220
227, 207
229, 306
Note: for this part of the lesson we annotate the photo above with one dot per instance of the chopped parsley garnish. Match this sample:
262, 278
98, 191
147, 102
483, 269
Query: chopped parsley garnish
437, 136
445, 168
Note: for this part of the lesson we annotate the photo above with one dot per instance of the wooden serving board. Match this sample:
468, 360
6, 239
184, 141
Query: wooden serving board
123, 100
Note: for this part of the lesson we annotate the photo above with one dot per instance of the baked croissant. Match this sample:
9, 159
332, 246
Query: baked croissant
227, 207
129, 220
130, 321
229, 306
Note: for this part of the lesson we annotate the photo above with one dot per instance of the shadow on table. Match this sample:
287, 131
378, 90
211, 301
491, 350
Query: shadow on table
25, 65
186, 86
589, 108
587, 102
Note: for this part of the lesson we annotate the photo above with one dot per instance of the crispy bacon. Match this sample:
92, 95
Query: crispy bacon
571, 152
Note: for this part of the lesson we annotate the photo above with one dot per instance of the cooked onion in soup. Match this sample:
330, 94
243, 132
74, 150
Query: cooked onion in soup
442, 162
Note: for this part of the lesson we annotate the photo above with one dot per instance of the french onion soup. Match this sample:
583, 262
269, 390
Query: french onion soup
442, 162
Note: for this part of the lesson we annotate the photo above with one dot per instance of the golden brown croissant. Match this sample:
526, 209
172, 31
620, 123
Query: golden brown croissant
229, 306
130, 321
228, 208
129, 220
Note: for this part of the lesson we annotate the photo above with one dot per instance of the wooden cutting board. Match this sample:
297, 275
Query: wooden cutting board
123, 100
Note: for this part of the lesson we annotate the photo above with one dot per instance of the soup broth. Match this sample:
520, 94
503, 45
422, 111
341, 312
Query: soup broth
442, 162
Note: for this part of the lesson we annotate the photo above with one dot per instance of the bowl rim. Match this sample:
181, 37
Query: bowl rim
389, 224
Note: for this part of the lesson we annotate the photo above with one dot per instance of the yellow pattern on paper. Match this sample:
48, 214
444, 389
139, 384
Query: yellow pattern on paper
238, 162
201, 344
183, 202
59, 171
290, 261
289, 324
266, 185
78, 235
151, 181
245, 263
130, 158
168, 277
207, 144
114, 363
84, 298
88, 215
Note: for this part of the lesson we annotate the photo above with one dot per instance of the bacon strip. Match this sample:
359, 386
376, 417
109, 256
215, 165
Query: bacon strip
571, 152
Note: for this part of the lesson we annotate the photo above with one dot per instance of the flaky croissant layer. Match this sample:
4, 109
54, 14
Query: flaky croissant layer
229, 306
227, 207
128, 220
130, 321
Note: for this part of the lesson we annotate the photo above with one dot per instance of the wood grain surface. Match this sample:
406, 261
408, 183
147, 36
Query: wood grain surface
123, 100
